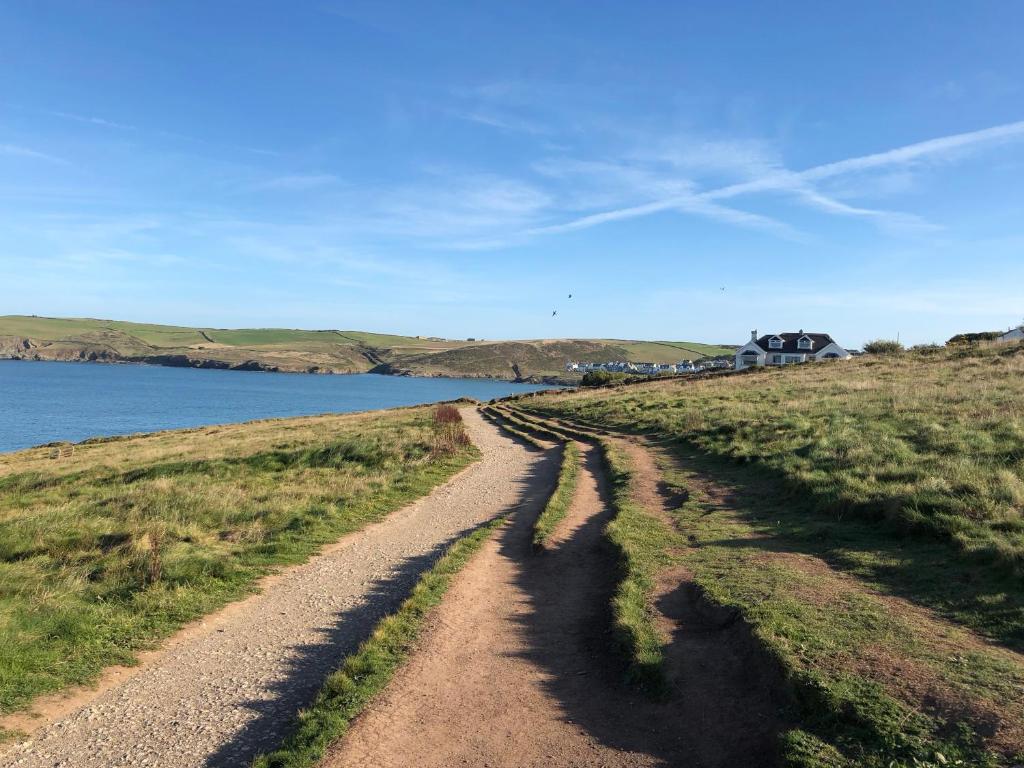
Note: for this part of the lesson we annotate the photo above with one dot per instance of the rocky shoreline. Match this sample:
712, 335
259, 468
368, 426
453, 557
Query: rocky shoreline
26, 349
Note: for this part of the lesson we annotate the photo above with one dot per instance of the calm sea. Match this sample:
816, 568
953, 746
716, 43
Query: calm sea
41, 402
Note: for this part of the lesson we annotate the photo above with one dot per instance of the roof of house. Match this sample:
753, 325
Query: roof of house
789, 342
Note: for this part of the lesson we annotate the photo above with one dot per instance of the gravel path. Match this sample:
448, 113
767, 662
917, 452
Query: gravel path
230, 689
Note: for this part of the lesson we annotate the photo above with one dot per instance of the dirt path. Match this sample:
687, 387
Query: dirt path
515, 671
230, 688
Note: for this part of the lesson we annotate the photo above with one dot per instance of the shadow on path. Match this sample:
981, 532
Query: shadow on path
313, 662
721, 711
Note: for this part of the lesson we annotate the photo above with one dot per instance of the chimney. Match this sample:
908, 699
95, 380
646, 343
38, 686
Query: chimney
753, 335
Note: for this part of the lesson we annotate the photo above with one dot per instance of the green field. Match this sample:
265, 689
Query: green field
866, 518
106, 551
326, 351
668, 351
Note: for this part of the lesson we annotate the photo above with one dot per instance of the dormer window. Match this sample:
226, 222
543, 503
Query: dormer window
804, 343
775, 343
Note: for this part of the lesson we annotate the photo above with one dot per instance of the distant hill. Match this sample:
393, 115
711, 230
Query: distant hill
326, 351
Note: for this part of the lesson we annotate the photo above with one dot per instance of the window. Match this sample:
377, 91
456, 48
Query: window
794, 358
777, 359
775, 343
804, 343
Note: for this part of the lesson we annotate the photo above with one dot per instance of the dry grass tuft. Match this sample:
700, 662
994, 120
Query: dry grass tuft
450, 435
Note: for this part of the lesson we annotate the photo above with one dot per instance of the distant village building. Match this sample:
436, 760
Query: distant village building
645, 369
788, 348
1014, 334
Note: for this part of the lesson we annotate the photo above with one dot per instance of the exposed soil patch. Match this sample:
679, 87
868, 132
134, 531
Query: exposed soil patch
515, 669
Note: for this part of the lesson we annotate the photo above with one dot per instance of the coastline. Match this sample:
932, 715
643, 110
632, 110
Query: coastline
74, 404
257, 366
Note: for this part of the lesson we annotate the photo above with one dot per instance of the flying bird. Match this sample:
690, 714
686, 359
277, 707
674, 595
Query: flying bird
722, 288
570, 295
554, 313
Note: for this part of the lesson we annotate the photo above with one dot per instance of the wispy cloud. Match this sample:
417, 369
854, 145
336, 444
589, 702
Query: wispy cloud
694, 204
654, 173
13, 150
298, 182
98, 258
894, 220
735, 158
801, 184
93, 120
931, 149
508, 123
660, 173
507, 106
457, 209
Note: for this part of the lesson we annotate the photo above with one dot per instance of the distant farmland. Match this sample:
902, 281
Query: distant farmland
321, 351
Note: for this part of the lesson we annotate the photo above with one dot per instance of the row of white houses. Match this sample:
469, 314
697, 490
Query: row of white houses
645, 369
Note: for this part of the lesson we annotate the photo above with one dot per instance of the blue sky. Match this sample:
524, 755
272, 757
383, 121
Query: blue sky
460, 168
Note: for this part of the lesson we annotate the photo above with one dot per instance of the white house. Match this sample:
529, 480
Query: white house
787, 348
1014, 334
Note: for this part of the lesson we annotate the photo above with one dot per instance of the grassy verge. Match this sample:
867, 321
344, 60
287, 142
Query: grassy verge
878, 681
107, 552
364, 674
558, 505
642, 543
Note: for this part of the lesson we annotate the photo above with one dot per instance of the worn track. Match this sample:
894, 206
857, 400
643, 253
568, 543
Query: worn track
517, 670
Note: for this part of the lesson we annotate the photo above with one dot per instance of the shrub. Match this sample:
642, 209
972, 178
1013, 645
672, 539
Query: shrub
449, 430
970, 338
602, 378
447, 414
883, 347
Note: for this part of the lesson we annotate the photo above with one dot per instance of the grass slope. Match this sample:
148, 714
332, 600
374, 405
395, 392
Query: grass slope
929, 443
105, 552
317, 351
865, 519
879, 679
